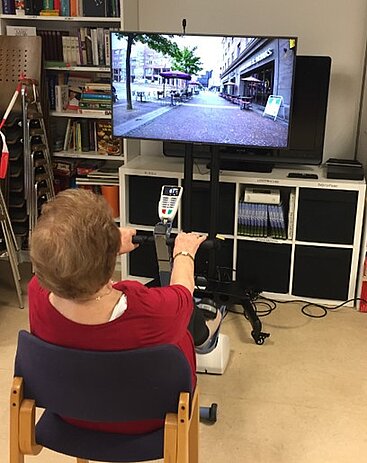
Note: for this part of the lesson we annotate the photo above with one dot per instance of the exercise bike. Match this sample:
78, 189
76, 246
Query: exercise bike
167, 209
213, 357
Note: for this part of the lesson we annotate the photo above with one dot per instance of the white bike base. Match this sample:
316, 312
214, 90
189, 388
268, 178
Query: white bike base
216, 361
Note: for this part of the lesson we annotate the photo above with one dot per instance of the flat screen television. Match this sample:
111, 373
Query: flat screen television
204, 89
307, 130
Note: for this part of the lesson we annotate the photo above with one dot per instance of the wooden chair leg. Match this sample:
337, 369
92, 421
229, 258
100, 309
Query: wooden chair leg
183, 426
194, 429
16, 396
170, 439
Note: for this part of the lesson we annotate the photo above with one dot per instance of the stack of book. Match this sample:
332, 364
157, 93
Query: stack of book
96, 96
90, 8
262, 220
64, 90
88, 46
83, 135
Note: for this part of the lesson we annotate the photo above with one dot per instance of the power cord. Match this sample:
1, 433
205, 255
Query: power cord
324, 309
224, 275
201, 172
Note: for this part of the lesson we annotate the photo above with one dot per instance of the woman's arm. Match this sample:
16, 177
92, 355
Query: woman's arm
186, 245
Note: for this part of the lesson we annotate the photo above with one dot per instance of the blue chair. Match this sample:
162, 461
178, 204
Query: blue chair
147, 383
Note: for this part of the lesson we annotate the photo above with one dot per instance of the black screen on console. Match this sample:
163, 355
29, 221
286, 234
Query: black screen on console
208, 89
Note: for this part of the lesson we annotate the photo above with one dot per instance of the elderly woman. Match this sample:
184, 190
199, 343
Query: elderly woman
74, 303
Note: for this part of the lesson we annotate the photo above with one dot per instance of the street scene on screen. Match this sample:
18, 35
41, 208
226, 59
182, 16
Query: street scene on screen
209, 89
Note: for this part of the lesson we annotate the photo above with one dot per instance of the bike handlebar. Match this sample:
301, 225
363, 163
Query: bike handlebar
140, 239
206, 245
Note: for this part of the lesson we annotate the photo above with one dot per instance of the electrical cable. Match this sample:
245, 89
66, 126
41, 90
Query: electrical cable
324, 309
201, 172
271, 304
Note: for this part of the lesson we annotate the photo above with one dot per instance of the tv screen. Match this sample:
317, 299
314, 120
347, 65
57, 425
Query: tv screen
307, 131
209, 89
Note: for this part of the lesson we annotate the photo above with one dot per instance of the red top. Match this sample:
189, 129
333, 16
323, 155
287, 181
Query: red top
153, 316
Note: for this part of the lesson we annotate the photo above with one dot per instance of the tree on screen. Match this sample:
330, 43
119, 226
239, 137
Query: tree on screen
154, 41
184, 60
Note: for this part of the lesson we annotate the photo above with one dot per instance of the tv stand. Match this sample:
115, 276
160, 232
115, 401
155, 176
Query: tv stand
319, 260
232, 292
244, 166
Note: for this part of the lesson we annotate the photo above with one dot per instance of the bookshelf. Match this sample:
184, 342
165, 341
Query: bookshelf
56, 67
19, 19
94, 115
319, 259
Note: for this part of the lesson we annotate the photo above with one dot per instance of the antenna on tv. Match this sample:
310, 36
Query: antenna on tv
184, 26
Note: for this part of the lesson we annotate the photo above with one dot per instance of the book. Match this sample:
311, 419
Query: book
73, 99
291, 209
49, 13
52, 81
101, 46
74, 7
48, 5
106, 142
33, 7
95, 112
94, 96
21, 31
94, 39
92, 86
93, 8
82, 46
84, 127
88, 46
66, 49
65, 7
94, 105
67, 135
75, 55
61, 97
8, 6
107, 46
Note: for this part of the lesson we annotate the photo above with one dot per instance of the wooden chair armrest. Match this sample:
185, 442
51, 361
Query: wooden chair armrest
27, 428
188, 428
22, 423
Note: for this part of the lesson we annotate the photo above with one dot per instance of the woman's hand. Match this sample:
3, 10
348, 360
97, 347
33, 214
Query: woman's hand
126, 240
189, 242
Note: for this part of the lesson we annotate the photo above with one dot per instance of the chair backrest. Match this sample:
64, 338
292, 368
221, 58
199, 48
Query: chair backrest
102, 386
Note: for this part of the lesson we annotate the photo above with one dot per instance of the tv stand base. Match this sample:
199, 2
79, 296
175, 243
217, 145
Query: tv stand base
245, 166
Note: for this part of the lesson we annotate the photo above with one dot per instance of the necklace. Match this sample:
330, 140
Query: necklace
98, 298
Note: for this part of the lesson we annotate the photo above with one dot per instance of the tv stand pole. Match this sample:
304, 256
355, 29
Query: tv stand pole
229, 292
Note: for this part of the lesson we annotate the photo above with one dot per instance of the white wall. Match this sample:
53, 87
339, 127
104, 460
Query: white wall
336, 28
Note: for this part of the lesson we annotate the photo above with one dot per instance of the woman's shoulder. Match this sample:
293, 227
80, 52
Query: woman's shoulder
153, 294
128, 285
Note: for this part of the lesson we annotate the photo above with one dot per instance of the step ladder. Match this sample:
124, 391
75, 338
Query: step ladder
8, 236
38, 173
19, 56
36, 184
